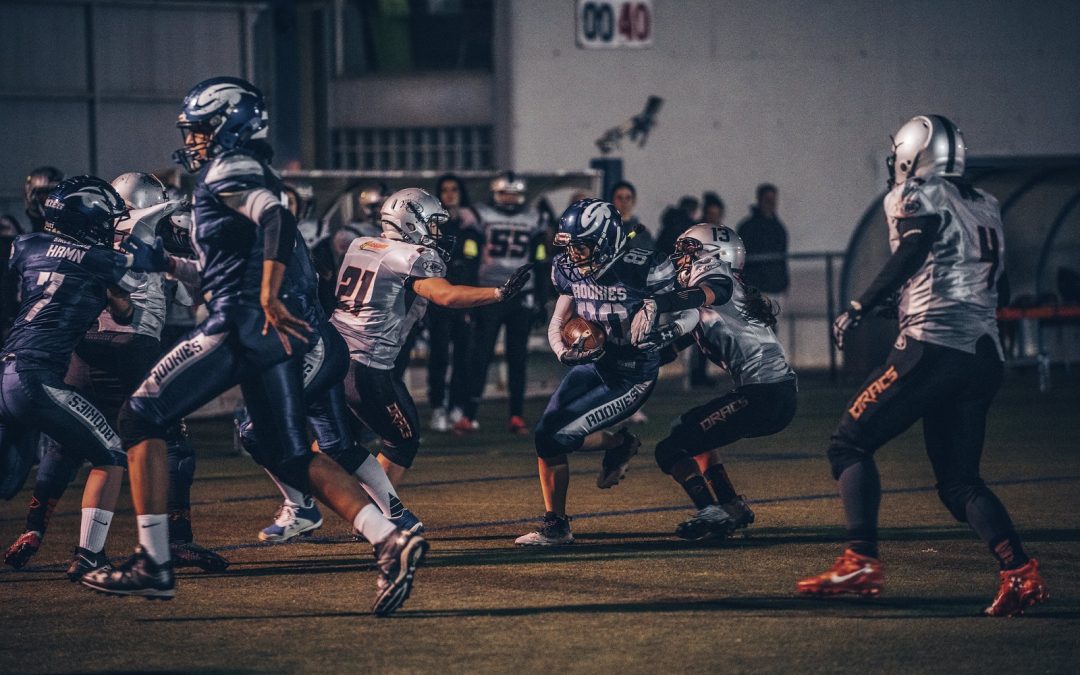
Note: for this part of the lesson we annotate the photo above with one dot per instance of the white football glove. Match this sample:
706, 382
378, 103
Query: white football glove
643, 323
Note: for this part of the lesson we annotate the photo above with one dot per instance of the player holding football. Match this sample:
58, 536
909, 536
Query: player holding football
255, 289
946, 366
601, 279
735, 332
384, 286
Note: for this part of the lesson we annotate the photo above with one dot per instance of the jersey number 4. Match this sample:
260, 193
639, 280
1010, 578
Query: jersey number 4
354, 289
989, 252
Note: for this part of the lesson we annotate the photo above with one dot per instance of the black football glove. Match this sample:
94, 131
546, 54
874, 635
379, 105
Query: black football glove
146, 257
516, 282
576, 355
845, 322
660, 337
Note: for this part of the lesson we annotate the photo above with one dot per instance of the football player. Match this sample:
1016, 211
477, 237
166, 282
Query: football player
39, 185
108, 363
384, 287
508, 234
255, 292
735, 332
601, 279
948, 250
69, 274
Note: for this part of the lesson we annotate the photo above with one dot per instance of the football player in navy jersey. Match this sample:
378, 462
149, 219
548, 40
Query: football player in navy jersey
599, 278
69, 274
253, 336
735, 332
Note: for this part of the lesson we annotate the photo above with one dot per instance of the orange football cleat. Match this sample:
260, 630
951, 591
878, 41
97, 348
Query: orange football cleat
852, 573
1020, 588
517, 425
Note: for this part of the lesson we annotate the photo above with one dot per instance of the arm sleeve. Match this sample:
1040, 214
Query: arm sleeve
916, 237
279, 233
694, 297
555, 326
687, 319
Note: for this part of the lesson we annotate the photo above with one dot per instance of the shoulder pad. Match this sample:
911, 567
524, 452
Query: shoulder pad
427, 263
235, 172
702, 270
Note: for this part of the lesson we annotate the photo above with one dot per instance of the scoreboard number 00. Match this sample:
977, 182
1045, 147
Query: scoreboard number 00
610, 24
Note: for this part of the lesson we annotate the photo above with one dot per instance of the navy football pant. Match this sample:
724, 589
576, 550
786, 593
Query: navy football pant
590, 398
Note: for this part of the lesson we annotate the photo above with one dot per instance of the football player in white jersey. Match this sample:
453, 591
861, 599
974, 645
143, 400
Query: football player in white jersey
383, 287
735, 332
947, 259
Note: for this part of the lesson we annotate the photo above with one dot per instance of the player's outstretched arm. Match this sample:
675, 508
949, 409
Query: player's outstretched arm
445, 294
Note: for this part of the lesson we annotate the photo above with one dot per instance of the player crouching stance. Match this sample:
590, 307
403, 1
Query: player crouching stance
601, 279
947, 246
735, 332
254, 291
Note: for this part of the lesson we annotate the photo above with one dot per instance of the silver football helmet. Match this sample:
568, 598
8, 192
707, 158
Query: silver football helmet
415, 216
508, 190
140, 190
927, 145
706, 241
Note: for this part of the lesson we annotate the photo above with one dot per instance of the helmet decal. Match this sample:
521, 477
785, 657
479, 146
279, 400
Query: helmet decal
210, 99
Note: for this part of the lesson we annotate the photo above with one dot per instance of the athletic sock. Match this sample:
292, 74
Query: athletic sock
371, 523
375, 482
721, 484
990, 519
180, 526
698, 490
154, 536
95, 529
860, 490
293, 497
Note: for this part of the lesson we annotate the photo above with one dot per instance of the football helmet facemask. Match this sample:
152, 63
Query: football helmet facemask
86, 210
593, 235
704, 242
219, 114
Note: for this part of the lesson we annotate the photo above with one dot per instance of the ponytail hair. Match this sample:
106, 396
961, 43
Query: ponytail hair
759, 307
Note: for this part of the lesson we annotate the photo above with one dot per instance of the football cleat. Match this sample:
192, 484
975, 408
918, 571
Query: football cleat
292, 521
407, 521
711, 522
740, 512
190, 554
517, 426
84, 561
24, 548
139, 575
852, 573
439, 421
1020, 588
464, 426
553, 531
397, 557
617, 460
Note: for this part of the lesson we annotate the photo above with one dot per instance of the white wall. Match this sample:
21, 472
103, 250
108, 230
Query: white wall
800, 93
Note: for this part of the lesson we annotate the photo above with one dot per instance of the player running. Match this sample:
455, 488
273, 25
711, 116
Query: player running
246, 242
948, 248
384, 287
734, 332
601, 279
69, 274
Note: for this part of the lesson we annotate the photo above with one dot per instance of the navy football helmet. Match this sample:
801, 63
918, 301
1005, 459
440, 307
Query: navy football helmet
85, 209
594, 236
219, 114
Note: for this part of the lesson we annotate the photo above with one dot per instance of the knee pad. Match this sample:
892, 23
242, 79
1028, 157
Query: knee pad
842, 455
403, 453
293, 471
956, 496
669, 453
136, 424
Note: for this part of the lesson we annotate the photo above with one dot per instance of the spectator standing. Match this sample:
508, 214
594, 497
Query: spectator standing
624, 197
764, 234
713, 209
676, 220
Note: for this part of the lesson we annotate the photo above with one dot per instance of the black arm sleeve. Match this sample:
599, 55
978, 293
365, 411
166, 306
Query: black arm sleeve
279, 234
694, 297
916, 237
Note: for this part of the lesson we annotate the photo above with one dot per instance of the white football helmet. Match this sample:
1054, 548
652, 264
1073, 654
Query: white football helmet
706, 241
140, 190
508, 190
415, 216
927, 145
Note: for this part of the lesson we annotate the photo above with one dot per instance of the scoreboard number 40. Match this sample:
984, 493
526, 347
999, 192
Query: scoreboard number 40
610, 24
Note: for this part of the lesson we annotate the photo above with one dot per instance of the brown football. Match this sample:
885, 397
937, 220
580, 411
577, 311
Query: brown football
576, 327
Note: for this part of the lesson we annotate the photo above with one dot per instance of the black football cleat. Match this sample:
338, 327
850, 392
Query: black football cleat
83, 561
617, 460
397, 558
190, 554
139, 575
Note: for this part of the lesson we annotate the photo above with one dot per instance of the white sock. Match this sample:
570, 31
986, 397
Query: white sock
95, 529
154, 536
371, 523
293, 497
375, 483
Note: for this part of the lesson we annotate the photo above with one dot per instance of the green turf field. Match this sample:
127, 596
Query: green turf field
628, 596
